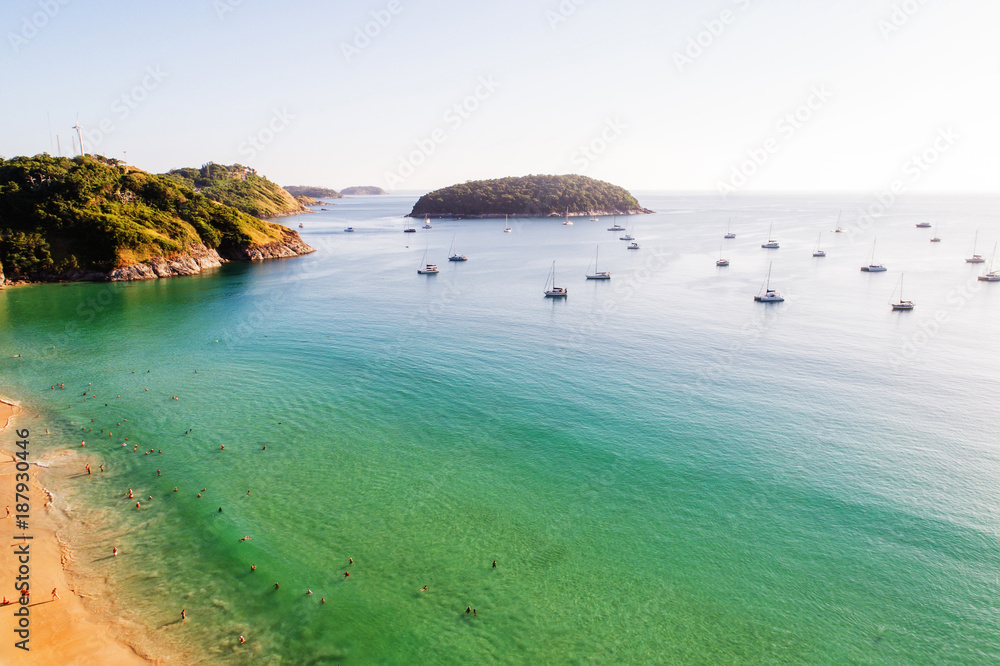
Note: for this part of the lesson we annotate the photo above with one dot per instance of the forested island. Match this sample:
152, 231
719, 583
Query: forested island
528, 196
240, 187
362, 190
312, 192
94, 218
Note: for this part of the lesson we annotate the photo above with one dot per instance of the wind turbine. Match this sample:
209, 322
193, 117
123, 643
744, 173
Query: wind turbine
79, 134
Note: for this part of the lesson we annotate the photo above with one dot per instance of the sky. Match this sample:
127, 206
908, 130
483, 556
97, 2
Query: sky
723, 96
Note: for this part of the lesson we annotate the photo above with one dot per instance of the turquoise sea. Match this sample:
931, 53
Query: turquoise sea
664, 470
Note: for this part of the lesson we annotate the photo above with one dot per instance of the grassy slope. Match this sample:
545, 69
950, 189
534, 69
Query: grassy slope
250, 193
90, 213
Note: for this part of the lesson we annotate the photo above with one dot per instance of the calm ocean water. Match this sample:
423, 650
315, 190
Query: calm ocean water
664, 470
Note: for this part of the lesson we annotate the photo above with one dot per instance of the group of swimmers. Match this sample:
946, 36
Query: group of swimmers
469, 609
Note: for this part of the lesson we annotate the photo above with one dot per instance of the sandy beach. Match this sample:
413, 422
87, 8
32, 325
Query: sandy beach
62, 631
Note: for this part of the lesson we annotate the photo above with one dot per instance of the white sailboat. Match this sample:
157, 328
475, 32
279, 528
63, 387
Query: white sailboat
839, 229
975, 258
771, 244
616, 226
991, 274
872, 267
766, 294
567, 221
628, 235
720, 261
729, 234
598, 275
506, 225
936, 239
901, 304
551, 290
427, 222
818, 252
427, 269
455, 256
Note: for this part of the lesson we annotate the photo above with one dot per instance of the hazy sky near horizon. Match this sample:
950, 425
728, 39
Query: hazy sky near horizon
748, 95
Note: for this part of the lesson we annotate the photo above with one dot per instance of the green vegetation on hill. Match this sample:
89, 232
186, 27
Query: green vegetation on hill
314, 192
61, 215
535, 196
240, 187
362, 190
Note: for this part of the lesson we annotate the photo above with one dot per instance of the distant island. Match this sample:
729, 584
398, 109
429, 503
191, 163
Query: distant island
528, 196
94, 218
362, 190
312, 192
240, 187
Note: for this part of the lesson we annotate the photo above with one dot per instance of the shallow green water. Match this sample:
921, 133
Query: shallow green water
664, 470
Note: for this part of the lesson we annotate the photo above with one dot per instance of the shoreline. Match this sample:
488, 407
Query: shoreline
63, 631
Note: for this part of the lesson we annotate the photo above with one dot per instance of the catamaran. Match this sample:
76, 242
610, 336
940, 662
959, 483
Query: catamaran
632, 246
901, 304
729, 234
407, 229
598, 275
455, 256
975, 258
551, 290
616, 226
771, 244
427, 269
818, 252
839, 229
991, 274
768, 295
427, 223
721, 261
872, 267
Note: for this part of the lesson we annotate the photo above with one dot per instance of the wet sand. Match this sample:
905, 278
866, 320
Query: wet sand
62, 631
